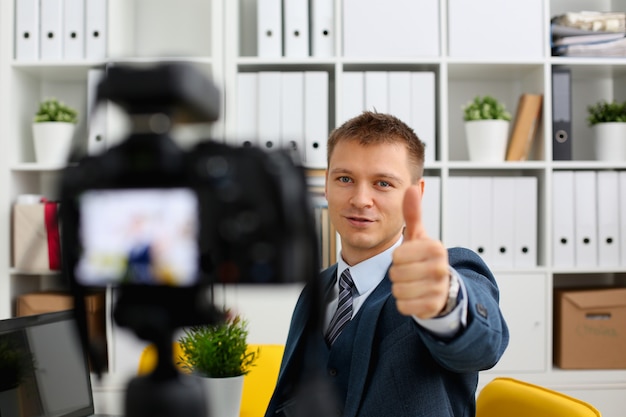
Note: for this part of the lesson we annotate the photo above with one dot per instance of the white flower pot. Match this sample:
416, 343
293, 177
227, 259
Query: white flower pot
53, 141
610, 141
487, 140
224, 395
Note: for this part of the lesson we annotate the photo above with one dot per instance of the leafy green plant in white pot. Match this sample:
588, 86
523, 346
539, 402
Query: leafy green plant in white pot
219, 354
53, 131
486, 129
608, 123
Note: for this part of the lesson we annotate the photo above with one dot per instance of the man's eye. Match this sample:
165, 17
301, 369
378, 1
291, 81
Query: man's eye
384, 184
344, 179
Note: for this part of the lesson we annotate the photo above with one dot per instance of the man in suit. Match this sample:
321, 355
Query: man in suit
422, 320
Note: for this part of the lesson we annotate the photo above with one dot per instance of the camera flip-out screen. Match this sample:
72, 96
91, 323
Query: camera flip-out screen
145, 236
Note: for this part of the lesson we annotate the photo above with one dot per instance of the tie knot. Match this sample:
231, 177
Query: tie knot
345, 280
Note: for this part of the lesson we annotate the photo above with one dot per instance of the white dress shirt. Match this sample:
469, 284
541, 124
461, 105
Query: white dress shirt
370, 272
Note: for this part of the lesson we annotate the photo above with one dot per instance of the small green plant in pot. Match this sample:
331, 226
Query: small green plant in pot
485, 108
220, 355
53, 110
608, 124
217, 351
486, 129
53, 129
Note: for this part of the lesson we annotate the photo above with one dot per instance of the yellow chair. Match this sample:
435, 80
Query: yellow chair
148, 358
508, 397
258, 384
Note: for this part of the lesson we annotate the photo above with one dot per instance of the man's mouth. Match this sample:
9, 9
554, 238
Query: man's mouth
359, 220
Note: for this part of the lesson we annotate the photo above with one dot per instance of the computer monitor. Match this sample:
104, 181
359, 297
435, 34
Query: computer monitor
44, 370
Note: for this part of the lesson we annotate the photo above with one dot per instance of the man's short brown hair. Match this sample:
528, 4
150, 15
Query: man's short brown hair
371, 128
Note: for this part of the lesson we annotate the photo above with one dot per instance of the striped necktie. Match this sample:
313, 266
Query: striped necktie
344, 308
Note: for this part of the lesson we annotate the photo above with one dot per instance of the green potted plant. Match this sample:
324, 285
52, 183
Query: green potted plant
608, 123
16, 365
486, 129
219, 353
53, 129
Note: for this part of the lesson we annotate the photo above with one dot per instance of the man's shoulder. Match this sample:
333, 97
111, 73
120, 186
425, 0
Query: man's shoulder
459, 252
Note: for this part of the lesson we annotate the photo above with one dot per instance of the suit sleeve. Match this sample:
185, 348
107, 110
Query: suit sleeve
482, 342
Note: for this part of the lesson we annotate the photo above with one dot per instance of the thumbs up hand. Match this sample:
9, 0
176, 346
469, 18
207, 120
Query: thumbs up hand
419, 271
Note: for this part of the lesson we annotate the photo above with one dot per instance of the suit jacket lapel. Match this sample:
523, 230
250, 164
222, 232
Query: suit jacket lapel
301, 317
363, 342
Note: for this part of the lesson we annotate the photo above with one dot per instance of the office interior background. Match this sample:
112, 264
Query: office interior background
421, 60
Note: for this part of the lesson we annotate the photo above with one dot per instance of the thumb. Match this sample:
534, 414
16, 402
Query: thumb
412, 212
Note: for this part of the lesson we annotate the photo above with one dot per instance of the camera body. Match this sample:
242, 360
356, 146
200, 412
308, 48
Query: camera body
163, 224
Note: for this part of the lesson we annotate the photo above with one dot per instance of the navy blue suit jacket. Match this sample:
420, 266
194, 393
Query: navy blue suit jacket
400, 369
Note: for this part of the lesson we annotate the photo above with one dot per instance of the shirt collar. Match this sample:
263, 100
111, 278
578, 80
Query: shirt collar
369, 273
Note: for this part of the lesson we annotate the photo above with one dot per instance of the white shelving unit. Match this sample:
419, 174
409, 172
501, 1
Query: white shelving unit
220, 35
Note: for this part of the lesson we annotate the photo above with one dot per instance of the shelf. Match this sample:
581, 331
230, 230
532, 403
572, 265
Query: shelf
35, 167
14, 271
513, 165
58, 71
587, 165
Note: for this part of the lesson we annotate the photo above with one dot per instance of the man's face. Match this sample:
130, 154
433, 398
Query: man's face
365, 186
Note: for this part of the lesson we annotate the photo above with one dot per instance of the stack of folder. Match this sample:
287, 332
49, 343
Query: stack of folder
408, 95
57, 30
285, 109
589, 34
589, 219
500, 222
292, 29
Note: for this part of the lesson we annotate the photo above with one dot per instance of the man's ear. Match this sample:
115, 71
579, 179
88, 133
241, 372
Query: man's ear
326, 184
422, 184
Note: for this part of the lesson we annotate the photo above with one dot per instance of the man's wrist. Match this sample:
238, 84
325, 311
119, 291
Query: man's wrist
453, 295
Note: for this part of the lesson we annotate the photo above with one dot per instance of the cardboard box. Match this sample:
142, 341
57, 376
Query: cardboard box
49, 301
31, 243
590, 328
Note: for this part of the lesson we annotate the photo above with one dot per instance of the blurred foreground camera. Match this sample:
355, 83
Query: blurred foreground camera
163, 224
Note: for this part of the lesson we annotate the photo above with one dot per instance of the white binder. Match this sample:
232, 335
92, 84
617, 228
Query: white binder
608, 218
26, 30
395, 28
431, 206
563, 242
315, 118
503, 227
296, 34
97, 116
269, 28
586, 216
525, 222
473, 28
95, 29
622, 217
292, 112
247, 109
322, 28
400, 95
423, 110
481, 217
269, 109
51, 30
74, 29
352, 95
376, 91
457, 220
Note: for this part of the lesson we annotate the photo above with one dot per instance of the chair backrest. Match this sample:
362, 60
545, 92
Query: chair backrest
258, 384
514, 398
148, 357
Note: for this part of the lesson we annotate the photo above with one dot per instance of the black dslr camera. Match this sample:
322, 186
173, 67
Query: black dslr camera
162, 224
